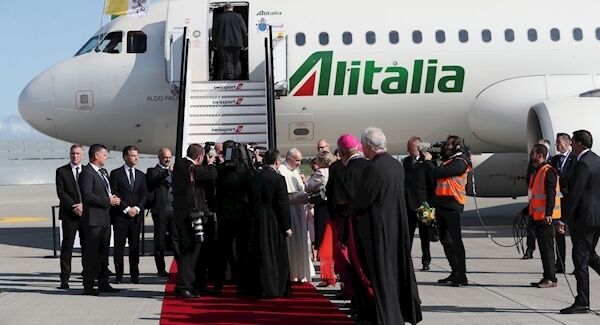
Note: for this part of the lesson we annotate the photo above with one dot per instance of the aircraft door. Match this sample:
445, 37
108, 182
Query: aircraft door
193, 15
216, 10
279, 60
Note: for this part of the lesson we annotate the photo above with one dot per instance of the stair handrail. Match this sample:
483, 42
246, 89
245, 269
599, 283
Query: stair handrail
182, 96
270, 90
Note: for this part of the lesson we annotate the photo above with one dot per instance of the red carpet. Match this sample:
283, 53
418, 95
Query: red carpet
306, 306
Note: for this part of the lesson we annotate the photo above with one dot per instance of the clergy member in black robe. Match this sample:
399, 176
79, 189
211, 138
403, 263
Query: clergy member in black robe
271, 225
388, 265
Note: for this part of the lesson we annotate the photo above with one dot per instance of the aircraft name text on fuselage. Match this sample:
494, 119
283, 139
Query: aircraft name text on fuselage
155, 98
393, 79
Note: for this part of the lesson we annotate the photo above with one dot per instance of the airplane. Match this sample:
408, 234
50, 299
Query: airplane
501, 74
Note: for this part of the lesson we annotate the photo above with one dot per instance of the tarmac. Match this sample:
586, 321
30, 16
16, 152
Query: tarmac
498, 291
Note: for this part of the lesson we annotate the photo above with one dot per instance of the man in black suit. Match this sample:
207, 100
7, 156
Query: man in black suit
188, 195
160, 187
97, 199
562, 162
129, 184
583, 217
418, 183
71, 210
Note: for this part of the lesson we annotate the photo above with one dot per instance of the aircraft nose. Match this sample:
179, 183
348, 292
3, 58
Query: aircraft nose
36, 103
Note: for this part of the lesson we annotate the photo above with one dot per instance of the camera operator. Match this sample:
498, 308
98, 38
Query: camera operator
189, 197
233, 211
449, 201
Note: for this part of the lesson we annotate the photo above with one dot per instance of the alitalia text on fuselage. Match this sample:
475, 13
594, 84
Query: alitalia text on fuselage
345, 77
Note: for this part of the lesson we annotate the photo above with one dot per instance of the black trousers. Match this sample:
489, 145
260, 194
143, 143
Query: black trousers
95, 257
230, 248
413, 222
188, 254
451, 239
162, 224
584, 255
544, 233
70, 227
530, 236
561, 250
230, 66
126, 229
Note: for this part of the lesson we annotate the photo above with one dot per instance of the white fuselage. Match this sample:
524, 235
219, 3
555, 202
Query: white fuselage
488, 106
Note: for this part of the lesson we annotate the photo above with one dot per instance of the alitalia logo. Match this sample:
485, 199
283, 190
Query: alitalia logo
319, 75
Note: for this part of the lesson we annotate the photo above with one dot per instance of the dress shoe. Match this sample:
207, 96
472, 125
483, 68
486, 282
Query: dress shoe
575, 309
135, 280
163, 274
118, 280
459, 283
64, 285
91, 292
425, 268
527, 256
449, 279
107, 288
110, 273
535, 284
186, 294
545, 283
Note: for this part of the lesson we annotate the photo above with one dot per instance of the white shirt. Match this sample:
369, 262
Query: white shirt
582, 153
74, 170
133, 180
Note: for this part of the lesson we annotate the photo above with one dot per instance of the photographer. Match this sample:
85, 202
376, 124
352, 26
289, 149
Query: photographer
449, 201
188, 199
233, 211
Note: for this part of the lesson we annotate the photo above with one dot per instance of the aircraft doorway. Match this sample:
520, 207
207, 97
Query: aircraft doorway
215, 65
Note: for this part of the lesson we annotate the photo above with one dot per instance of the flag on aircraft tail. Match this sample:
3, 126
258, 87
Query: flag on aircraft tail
132, 8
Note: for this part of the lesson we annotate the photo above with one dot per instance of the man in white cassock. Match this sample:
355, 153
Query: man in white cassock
300, 265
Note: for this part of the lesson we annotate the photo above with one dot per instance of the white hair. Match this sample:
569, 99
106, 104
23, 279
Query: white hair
374, 139
292, 153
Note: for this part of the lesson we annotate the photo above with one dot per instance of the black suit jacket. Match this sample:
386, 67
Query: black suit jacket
136, 197
418, 182
566, 171
95, 198
68, 191
158, 188
183, 189
583, 200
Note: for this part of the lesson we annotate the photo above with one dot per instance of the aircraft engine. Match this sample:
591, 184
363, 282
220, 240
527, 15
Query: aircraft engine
569, 114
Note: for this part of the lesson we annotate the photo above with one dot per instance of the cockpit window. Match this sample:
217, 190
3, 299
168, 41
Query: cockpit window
111, 43
136, 42
88, 46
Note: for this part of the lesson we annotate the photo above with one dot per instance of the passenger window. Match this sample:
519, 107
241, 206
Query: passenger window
598, 33
300, 39
509, 35
555, 34
532, 35
463, 36
88, 46
347, 38
111, 43
136, 42
577, 34
486, 35
323, 38
370, 37
440, 36
394, 37
417, 36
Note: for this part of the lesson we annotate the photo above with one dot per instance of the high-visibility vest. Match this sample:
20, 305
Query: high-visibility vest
537, 195
455, 186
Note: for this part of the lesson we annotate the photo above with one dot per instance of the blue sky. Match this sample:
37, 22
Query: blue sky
36, 35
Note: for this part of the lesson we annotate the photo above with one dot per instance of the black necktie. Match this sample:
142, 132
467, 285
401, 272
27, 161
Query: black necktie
76, 174
77, 183
131, 178
561, 161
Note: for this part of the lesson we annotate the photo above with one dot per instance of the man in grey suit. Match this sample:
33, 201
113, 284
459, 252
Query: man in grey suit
583, 217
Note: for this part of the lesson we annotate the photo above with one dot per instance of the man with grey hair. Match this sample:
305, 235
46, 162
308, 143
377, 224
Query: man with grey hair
380, 205
300, 266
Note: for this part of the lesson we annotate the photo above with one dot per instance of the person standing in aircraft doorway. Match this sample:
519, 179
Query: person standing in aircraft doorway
230, 35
